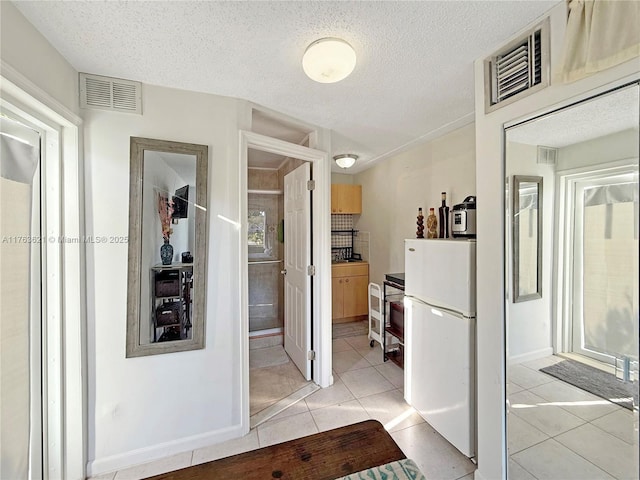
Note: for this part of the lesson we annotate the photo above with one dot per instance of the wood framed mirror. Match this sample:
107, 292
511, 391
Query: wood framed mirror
527, 238
167, 246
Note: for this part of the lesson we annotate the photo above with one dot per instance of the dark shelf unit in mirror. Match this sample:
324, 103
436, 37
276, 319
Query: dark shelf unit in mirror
171, 308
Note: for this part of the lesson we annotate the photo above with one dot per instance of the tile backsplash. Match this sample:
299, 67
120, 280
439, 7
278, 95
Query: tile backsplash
341, 222
360, 240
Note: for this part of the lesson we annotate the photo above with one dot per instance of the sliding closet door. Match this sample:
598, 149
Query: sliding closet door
20, 303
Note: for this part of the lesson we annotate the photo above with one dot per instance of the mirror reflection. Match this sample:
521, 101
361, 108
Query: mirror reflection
167, 250
572, 354
527, 236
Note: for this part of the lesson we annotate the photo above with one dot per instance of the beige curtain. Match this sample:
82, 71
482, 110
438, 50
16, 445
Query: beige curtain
599, 35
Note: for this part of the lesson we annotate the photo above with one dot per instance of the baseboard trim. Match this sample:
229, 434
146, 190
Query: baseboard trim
155, 452
527, 357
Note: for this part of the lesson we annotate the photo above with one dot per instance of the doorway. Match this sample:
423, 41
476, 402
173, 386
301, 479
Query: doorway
61, 386
313, 342
603, 325
278, 292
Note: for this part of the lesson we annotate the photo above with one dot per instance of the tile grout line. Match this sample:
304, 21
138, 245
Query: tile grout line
618, 408
518, 463
554, 438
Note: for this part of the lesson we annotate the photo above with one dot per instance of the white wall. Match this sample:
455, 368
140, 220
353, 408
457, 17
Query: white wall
490, 216
146, 407
24, 49
529, 323
342, 178
617, 146
393, 190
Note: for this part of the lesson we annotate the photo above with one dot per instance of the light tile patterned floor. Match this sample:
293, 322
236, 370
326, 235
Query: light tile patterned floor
558, 431
364, 387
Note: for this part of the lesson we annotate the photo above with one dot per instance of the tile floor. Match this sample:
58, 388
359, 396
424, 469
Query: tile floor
364, 387
558, 431
268, 384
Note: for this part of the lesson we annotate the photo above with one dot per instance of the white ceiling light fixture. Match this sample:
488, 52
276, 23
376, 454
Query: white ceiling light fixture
329, 60
346, 160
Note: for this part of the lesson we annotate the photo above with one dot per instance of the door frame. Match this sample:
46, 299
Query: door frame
577, 319
566, 181
321, 257
64, 396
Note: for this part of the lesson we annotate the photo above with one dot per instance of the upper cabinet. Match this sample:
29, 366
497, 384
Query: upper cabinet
346, 198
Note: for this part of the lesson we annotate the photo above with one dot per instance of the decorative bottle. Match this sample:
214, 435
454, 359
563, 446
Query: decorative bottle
420, 223
432, 224
443, 212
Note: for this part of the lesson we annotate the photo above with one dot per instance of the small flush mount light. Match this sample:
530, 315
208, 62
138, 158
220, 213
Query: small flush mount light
346, 160
329, 60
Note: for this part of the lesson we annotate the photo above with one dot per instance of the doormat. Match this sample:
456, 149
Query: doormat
595, 381
349, 329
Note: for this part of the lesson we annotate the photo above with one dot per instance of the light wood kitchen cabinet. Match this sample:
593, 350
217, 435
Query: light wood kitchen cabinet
349, 284
346, 198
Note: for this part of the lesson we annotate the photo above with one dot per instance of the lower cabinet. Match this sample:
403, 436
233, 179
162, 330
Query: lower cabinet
349, 284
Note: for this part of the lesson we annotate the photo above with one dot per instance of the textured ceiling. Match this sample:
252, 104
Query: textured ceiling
615, 112
414, 73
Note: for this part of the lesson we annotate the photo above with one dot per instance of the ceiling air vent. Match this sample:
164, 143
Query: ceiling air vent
519, 69
106, 93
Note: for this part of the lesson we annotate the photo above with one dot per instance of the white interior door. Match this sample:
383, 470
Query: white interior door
297, 258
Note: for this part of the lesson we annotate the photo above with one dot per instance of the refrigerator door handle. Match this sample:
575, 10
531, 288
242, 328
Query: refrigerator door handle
436, 307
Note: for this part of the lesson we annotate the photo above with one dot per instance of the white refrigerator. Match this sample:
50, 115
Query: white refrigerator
440, 326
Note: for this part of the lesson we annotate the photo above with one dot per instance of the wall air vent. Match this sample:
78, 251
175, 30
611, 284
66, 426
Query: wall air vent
547, 155
106, 93
519, 69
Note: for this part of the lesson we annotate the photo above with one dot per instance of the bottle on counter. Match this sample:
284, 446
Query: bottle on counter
443, 212
420, 223
432, 224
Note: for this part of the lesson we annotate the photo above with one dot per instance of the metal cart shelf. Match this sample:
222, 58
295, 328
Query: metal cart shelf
393, 316
375, 314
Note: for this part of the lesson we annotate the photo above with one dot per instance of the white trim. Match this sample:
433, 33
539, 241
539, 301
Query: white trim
24, 84
565, 184
266, 332
266, 192
321, 256
161, 450
527, 357
569, 181
63, 307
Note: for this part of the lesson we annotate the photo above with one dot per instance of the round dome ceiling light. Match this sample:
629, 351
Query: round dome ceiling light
329, 60
346, 160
